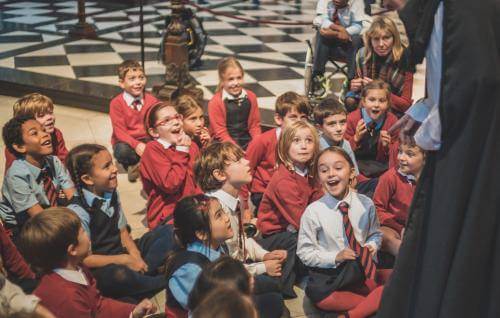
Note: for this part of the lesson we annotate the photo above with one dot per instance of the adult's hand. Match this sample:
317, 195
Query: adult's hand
407, 127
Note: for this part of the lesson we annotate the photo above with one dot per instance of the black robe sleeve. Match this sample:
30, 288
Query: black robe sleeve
449, 261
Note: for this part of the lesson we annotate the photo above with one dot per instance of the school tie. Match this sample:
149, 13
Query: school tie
364, 254
136, 104
48, 186
371, 127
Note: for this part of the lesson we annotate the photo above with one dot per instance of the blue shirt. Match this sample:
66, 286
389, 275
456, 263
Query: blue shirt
367, 119
325, 142
182, 280
106, 207
22, 190
348, 18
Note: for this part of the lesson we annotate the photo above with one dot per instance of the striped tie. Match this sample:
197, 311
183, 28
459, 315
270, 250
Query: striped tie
363, 253
48, 186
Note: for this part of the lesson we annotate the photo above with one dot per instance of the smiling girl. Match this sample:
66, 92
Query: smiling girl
167, 163
233, 111
338, 241
383, 57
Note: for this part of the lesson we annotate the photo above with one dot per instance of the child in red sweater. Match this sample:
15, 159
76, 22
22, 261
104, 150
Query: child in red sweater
367, 129
193, 120
167, 164
261, 153
41, 108
127, 111
289, 192
394, 194
233, 111
56, 244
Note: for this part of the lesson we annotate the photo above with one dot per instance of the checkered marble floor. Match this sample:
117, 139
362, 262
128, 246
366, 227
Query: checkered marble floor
272, 55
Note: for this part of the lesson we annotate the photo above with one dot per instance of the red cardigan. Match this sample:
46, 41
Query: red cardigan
11, 259
67, 299
167, 176
382, 153
285, 200
392, 199
217, 117
261, 154
128, 124
403, 102
60, 150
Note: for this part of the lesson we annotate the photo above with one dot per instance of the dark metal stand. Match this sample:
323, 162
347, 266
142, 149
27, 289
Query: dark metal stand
82, 29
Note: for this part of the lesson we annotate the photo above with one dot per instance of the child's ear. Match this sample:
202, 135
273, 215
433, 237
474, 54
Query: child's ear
19, 148
219, 175
87, 180
120, 83
71, 250
278, 119
153, 133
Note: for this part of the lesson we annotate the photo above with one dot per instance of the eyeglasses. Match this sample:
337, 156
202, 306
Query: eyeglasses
168, 120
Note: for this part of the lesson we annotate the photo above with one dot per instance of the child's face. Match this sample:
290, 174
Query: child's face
194, 123
376, 103
238, 172
83, 248
382, 43
220, 223
334, 127
301, 149
134, 82
47, 120
291, 117
37, 142
232, 81
103, 177
168, 125
411, 159
335, 174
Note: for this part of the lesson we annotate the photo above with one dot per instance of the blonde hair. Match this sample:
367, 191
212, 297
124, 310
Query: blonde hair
33, 105
186, 105
379, 25
377, 84
224, 65
286, 139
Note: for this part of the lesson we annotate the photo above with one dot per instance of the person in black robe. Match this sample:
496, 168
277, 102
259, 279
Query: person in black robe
449, 262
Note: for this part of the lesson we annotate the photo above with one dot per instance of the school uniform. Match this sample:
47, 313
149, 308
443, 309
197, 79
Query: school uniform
393, 198
127, 119
325, 142
167, 176
58, 146
285, 199
25, 185
103, 220
73, 293
234, 118
261, 155
372, 156
322, 236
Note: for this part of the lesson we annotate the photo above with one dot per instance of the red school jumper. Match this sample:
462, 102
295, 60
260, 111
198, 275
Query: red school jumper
285, 200
217, 117
167, 176
382, 153
128, 123
392, 199
68, 299
58, 146
10, 258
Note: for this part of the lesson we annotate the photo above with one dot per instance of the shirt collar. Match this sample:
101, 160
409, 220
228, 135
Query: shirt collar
129, 99
300, 172
367, 119
201, 248
72, 276
330, 142
34, 170
226, 95
334, 202
90, 197
409, 177
278, 133
164, 143
225, 198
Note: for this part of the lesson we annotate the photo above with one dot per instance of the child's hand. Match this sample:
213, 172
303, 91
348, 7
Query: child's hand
145, 307
371, 249
205, 136
366, 80
273, 267
135, 264
184, 140
139, 149
360, 131
356, 84
345, 255
385, 138
279, 255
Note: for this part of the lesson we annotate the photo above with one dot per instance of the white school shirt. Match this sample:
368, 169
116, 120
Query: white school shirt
322, 234
254, 251
129, 99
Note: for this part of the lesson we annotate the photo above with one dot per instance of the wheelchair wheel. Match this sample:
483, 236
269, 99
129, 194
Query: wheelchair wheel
308, 63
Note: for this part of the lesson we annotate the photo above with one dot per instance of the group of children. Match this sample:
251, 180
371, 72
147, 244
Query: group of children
232, 212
